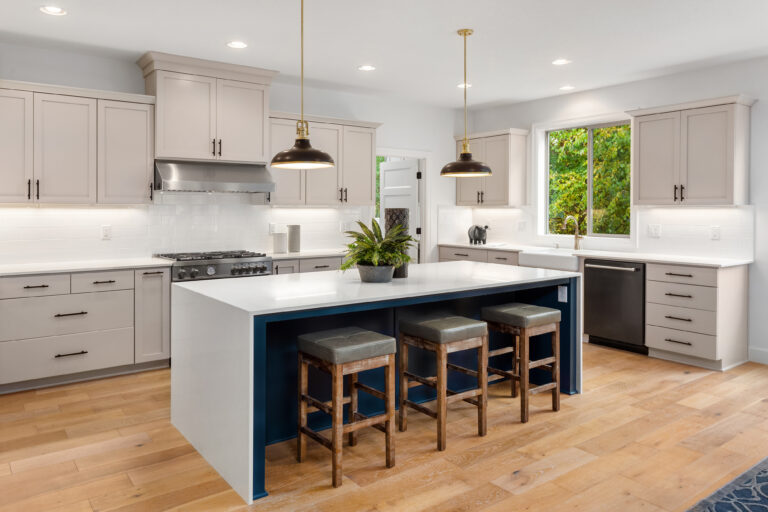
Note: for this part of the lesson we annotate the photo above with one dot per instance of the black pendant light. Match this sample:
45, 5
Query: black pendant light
302, 155
465, 167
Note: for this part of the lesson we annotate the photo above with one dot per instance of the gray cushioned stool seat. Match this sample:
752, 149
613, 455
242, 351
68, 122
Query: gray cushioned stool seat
444, 328
521, 315
347, 344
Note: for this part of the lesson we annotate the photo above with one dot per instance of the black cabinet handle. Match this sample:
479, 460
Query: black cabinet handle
678, 275
478, 197
322, 266
459, 254
151, 192
678, 318
682, 192
678, 295
152, 273
29, 287
482, 197
680, 342
29, 189
501, 258
219, 147
105, 282
71, 354
214, 147
346, 195
61, 315
341, 195
37, 189
675, 196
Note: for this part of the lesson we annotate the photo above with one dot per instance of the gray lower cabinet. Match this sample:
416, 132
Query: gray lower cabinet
319, 264
286, 266
152, 306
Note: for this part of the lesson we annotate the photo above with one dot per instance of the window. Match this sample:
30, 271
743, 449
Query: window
589, 172
379, 160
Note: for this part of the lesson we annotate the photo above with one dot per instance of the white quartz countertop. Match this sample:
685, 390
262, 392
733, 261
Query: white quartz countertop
644, 257
293, 292
314, 253
51, 267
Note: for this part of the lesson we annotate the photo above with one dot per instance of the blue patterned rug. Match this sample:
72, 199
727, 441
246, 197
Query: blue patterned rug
747, 493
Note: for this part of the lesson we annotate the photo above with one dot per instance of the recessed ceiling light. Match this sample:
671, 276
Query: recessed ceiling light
464, 86
366, 67
238, 45
567, 88
53, 10
561, 62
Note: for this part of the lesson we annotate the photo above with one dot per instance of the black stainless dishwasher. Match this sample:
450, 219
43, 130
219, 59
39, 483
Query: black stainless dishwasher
614, 304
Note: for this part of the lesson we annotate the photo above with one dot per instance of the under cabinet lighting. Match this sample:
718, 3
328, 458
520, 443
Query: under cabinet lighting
567, 88
237, 45
53, 10
464, 86
366, 67
561, 62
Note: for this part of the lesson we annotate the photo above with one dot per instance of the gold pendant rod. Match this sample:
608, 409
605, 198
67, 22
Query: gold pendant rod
302, 61
464, 32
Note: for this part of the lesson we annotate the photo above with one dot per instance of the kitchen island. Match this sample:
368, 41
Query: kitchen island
233, 375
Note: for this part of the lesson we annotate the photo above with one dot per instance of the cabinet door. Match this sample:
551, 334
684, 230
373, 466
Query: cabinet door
186, 116
656, 165
286, 266
125, 152
65, 149
153, 314
496, 186
706, 163
323, 184
468, 189
358, 174
16, 146
241, 121
289, 183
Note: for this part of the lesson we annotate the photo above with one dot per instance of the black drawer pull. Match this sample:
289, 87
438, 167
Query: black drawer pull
678, 318
322, 266
459, 254
500, 258
678, 275
678, 295
29, 287
79, 313
153, 273
680, 342
72, 354
105, 282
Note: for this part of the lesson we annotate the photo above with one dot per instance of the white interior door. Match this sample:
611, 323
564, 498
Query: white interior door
399, 188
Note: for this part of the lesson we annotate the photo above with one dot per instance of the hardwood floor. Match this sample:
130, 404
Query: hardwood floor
645, 435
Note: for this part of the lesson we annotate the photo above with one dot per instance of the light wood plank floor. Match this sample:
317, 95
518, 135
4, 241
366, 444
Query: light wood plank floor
645, 435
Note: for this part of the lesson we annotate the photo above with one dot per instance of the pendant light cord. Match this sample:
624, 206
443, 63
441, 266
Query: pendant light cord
466, 141
302, 127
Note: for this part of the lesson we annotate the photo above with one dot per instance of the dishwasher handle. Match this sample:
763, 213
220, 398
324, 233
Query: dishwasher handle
610, 267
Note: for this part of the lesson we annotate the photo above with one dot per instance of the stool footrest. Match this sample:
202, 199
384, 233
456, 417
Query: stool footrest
467, 396
504, 373
500, 351
541, 362
543, 387
367, 422
317, 405
317, 437
493, 379
371, 391
422, 381
377, 426
425, 410
461, 369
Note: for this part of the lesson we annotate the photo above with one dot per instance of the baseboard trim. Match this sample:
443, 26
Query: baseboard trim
758, 355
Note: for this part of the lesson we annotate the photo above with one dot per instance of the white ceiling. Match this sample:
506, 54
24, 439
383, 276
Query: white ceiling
413, 43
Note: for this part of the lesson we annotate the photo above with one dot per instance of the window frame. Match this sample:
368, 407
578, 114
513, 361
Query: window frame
590, 171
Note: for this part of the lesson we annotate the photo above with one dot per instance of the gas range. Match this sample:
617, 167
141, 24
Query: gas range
193, 266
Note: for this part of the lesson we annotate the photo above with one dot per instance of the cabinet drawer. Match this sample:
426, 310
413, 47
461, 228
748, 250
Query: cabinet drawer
502, 257
35, 359
319, 264
681, 342
102, 281
34, 286
286, 266
681, 274
684, 295
456, 253
65, 314
686, 319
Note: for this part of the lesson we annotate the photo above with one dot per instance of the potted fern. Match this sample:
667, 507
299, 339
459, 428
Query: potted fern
377, 254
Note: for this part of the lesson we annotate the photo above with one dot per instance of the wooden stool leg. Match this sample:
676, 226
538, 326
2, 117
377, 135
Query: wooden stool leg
337, 403
390, 424
524, 374
352, 407
515, 364
301, 440
403, 411
442, 395
556, 368
482, 383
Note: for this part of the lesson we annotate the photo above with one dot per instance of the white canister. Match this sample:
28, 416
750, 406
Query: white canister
280, 243
294, 237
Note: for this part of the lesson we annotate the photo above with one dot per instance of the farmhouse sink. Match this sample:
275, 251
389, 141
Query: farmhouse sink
549, 257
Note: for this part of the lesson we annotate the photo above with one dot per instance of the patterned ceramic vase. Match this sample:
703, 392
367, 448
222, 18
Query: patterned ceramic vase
393, 217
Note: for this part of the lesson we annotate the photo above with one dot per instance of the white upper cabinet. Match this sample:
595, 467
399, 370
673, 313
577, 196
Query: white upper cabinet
125, 152
692, 154
64, 149
241, 121
16, 170
506, 154
359, 159
289, 183
208, 110
323, 185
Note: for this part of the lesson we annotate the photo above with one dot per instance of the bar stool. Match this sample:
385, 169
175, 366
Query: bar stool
524, 321
340, 352
443, 335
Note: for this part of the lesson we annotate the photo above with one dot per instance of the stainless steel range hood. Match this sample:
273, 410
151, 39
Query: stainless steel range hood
181, 176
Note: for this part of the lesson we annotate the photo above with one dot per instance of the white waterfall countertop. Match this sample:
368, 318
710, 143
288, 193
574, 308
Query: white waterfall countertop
264, 295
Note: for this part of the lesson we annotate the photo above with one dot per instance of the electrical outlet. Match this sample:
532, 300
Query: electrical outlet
562, 294
106, 232
521, 225
654, 230
714, 232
